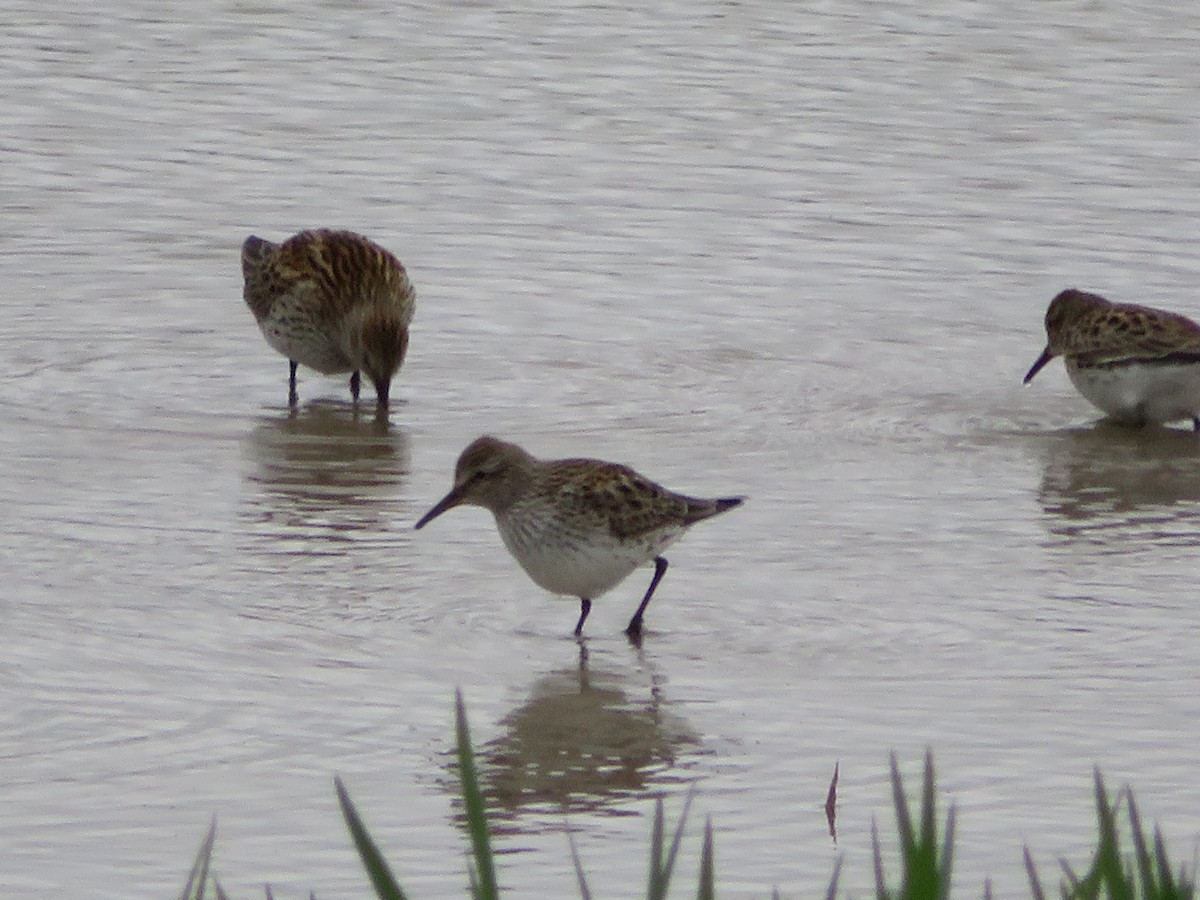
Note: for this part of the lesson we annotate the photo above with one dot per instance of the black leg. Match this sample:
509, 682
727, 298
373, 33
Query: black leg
293, 397
1196, 423
635, 624
585, 607
355, 382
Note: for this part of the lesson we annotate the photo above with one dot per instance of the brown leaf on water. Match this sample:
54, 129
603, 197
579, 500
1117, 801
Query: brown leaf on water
831, 804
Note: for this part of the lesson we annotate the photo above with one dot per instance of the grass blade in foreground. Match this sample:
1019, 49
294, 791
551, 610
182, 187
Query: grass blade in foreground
1107, 871
1158, 882
484, 885
831, 891
660, 867
377, 868
1035, 883
927, 868
584, 892
708, 886
198, 877
1145, 876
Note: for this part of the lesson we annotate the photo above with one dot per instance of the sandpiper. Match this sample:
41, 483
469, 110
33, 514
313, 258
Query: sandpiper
578, 527
1135, 363
334, 301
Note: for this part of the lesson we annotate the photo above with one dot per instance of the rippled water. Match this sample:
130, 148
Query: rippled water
799, 252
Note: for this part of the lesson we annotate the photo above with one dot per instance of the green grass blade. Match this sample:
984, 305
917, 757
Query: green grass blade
376, 866
1035, 883
708, 886
928, 804
676, 840
1143, 859
1073, 887
654, 890
831, 891
927, 865
661, 867
1158, 882
904, 824
1181, 887
477, 826
1165, 886
1171, 886
920, 849
1109, 871
1106, 876
1154, 866
881, 891
946, 866
1145, 874
584, 892
198, 877
1166, 878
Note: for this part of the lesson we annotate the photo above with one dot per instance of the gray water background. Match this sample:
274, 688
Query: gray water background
795, 251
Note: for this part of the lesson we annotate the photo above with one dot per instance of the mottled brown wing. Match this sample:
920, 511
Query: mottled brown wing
631, 504
1127, 330
345, 269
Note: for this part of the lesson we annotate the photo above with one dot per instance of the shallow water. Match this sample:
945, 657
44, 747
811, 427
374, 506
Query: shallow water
799, 254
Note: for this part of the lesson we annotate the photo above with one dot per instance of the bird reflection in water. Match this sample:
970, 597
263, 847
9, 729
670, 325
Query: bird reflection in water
325, 465
1101, 482
581, 742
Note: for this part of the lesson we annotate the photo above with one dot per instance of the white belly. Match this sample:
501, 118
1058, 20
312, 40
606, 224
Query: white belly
1136, 394
577, 564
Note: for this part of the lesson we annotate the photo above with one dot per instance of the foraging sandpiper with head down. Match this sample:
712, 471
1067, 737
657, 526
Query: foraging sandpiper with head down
335, 302
578, 527
1135, 363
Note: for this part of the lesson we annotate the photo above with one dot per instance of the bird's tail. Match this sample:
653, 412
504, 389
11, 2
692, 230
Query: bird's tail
706, 509
254, 251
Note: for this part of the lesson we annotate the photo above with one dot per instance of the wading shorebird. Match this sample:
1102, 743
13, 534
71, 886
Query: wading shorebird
1135, 363
335, 302
578, 527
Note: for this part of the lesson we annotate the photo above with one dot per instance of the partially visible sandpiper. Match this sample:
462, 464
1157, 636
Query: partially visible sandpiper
1135, 363
578, 527
331, 300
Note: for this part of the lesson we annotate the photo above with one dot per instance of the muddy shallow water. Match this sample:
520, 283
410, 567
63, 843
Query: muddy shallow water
800, 255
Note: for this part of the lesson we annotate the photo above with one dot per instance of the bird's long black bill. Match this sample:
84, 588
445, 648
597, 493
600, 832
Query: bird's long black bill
450, 501
1037, 366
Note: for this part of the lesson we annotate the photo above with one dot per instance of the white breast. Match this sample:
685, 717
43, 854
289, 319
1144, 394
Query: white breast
577, 563
1137, 393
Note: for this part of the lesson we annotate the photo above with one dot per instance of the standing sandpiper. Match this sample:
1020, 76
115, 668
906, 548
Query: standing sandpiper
334, 301
1135, 363
577, 526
